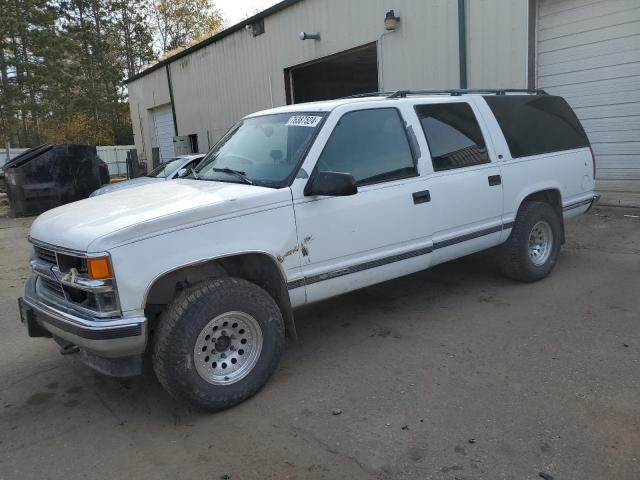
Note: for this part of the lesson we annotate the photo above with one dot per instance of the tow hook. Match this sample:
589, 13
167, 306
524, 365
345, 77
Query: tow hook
69, 349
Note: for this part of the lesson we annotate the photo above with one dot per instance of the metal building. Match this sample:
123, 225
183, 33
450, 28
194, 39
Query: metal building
586, 50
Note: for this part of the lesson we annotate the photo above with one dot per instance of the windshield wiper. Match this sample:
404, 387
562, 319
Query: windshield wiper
237, 173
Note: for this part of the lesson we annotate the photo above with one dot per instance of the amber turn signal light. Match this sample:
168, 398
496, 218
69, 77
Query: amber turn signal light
99, 268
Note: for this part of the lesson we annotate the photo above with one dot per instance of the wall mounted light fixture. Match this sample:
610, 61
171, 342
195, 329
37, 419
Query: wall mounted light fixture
391, 21
309, 36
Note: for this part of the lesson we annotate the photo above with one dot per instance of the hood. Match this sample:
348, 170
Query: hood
134, 182
105, 221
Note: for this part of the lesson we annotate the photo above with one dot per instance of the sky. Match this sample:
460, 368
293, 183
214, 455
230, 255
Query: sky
235, 11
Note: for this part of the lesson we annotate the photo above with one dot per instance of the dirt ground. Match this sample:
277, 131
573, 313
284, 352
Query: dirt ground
451, 373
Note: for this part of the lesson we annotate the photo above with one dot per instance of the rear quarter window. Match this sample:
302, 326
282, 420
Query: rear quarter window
537, 124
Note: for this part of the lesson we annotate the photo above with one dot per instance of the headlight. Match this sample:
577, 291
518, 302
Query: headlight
103, 302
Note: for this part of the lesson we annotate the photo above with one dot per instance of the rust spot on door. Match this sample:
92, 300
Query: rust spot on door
304, 245
287, 253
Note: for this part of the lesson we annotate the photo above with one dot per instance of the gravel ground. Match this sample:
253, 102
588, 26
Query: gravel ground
451, 373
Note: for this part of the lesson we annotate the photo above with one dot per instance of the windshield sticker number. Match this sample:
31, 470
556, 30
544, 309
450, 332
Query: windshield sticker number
304, 121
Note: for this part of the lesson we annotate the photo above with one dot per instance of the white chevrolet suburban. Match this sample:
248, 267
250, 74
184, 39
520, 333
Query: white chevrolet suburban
295, 205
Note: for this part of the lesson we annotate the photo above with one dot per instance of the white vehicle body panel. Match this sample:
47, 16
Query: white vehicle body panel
106, 221
323, 246
272, 233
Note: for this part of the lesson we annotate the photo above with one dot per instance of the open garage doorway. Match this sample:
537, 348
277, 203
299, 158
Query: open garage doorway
346, 73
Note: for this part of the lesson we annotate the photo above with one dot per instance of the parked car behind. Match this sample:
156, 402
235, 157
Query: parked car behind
165, 171
295, 205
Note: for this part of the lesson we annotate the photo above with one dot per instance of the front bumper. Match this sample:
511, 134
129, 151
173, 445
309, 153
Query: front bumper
108, 338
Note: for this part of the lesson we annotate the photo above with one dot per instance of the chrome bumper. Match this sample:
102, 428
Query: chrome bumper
109, 338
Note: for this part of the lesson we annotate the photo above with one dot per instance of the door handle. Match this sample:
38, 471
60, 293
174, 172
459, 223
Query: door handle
494, 180
421, 197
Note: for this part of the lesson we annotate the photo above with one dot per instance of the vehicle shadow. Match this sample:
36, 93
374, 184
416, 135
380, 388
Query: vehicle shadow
450, 279
71, 390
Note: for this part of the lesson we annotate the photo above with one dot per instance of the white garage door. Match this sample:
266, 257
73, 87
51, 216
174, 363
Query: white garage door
163, 131
589, 52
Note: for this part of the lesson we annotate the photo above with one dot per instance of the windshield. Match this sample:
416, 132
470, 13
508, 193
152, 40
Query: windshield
166, 169
261, 150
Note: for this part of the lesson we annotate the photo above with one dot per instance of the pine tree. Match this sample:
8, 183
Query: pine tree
179, 23
63, 63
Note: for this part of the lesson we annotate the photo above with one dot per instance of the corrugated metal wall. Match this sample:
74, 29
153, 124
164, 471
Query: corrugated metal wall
218, 84
241, 74
145, 94
497, 43
589, 52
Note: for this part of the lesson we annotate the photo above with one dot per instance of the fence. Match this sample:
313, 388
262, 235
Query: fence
13, 152
113, 155
116, 157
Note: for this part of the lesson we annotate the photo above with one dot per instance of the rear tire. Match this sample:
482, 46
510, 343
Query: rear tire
532, 249
218, 343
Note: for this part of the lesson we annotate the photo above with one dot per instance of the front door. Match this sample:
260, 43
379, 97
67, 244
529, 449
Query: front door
383, 231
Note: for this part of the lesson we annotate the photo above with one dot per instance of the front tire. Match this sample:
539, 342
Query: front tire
532, 249
218, 343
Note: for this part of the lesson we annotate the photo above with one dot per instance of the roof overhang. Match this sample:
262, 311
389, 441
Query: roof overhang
213, 39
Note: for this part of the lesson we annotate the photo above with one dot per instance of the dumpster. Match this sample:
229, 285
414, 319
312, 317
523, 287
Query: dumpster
50, 175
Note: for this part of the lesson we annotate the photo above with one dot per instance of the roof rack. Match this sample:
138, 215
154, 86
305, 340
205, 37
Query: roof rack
458, 92
371, 94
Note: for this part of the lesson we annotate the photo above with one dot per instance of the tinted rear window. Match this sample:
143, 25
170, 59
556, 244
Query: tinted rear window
537, 124
453, 134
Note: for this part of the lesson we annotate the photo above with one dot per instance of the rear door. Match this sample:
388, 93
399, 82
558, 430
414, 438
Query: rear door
466, 184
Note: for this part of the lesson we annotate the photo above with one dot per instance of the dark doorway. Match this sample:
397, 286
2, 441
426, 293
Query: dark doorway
340, 75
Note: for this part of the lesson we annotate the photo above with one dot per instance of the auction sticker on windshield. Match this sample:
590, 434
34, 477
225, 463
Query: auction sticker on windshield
304, 121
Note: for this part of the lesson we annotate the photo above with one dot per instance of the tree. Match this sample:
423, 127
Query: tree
131, 34
27, 36
92, 63
63, 63
181, 22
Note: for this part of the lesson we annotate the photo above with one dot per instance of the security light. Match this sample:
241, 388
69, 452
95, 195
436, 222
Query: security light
309, 36
391, 21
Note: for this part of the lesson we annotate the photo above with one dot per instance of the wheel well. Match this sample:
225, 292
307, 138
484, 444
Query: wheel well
258, 268
553, 198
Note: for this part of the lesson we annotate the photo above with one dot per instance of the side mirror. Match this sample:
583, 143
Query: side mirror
183, 172
332, 184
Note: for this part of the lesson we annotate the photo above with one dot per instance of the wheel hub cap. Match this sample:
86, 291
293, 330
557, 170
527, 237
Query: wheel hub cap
228, 348
540, 243
222, 344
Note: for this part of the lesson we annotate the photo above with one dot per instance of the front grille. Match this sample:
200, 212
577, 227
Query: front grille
52, 285
65, 262
52, 264
45, 254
